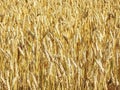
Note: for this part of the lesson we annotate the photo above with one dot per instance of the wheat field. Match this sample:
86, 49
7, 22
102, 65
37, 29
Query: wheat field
59, 45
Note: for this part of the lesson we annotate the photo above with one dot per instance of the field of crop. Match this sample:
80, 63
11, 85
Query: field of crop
59, 45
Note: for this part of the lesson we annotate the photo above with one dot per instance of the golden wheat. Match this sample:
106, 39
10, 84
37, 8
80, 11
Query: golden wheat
59, 45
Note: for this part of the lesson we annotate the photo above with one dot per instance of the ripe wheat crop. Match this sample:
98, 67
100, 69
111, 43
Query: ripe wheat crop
59, 45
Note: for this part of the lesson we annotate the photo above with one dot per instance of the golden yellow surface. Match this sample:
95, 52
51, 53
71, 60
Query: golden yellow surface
59, 45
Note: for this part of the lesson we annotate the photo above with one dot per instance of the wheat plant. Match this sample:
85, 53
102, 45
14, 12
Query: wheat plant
59, 45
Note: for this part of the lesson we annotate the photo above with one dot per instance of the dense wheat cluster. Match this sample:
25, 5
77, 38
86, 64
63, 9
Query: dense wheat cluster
59, 45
